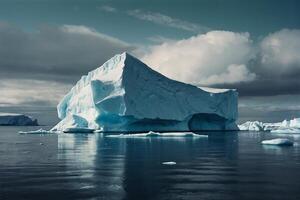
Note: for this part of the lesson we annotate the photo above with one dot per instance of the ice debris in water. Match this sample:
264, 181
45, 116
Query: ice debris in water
156, 134
39, 131
278, 141
169, 163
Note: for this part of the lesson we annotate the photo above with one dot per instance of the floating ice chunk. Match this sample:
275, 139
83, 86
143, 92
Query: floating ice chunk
169, 163
78, 130
15, 119
278, 141
39, 131
156, 134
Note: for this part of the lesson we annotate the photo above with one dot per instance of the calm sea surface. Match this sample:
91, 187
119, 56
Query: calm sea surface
90, 166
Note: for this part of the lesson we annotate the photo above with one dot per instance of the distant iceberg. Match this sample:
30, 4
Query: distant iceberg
124, 94
15, 119
286, 126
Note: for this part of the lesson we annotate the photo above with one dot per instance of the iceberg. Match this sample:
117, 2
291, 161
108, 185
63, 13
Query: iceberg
286, 126
252, 126
278, 141
15, 119
124, 94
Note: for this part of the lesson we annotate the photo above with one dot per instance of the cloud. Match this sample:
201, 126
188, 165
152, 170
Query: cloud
38, 67
280, 53
206, 59
31, 92
225, 59
107, 8
168, 21
67, 50
234, 74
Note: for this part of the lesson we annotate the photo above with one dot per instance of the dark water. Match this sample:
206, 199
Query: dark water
90, 166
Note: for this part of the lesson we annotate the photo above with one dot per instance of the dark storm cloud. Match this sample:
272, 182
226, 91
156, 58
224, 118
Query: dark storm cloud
266, 87
64, 53
54, 52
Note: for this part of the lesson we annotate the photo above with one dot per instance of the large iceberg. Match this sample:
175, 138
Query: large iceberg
15, 119
124, 94
286, 126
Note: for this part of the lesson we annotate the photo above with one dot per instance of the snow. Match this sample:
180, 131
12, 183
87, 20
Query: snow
286, 126
39, 131
156, 134
278, 141
125, 94
15, 119
169, 163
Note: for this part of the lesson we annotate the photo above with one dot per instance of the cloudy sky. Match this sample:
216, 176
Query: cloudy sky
254, 46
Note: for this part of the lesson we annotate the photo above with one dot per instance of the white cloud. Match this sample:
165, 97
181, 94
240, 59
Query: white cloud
30, 92
211, 58
280, 52
165, 20
107, 8
233, 74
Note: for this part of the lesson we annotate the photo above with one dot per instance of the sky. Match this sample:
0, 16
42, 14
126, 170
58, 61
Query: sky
253, 46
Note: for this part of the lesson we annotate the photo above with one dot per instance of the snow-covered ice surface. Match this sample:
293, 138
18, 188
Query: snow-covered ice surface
286, 126
278, 141
156, 134
15, 119
125, 94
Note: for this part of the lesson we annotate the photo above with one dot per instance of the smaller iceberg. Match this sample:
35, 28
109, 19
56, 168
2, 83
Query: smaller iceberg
278, 141
286, 126
252, 126
15, 119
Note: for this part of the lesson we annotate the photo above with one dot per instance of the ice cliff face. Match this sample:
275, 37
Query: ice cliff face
125, 94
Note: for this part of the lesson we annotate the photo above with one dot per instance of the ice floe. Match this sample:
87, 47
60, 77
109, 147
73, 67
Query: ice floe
278, 141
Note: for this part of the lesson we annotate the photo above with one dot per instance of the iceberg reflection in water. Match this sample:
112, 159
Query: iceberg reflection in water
231, 165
